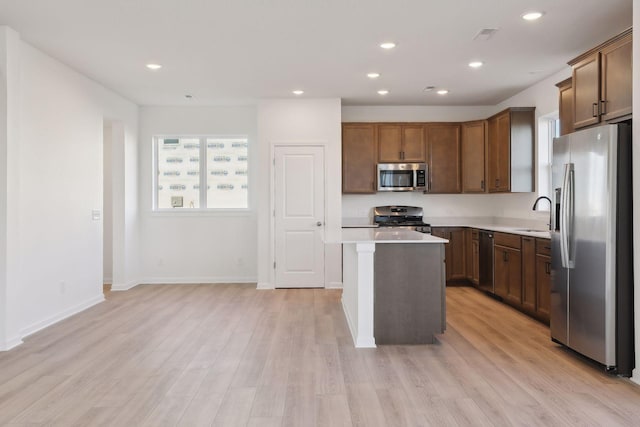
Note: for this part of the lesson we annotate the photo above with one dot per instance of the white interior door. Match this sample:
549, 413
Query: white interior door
299, 217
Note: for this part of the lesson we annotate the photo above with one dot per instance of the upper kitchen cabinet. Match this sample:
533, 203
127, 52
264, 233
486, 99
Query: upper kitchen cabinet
443, 148
401, 143
510, 151
602, 82
359, 158
474, 146
565, 89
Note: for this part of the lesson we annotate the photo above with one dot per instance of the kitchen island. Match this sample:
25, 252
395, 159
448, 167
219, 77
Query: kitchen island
394, 286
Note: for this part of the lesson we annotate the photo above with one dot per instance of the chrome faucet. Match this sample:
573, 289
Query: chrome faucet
535, 204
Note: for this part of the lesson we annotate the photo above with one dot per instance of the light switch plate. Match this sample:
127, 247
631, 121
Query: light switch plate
95, 214
176, 201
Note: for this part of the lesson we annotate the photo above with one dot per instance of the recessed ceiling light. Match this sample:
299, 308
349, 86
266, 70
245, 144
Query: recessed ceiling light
429, 88
443, 92
475, 64
188, 96
383, 92
373, 75
298, 92
154, 66
387, 45
532, 16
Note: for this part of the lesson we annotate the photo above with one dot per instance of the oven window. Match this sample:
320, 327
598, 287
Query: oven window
396, 179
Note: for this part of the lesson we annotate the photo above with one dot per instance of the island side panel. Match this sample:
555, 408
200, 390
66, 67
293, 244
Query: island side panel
409, 294
357, 293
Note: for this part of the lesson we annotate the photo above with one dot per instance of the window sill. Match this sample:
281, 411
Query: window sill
191, 213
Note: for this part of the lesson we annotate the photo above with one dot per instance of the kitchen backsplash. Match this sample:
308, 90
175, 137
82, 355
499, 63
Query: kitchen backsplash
506, 209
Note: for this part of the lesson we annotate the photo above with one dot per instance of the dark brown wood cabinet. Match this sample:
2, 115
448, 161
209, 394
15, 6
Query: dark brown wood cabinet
454, 252
359, 158
401, 143
474, 151
443, 150
602, 82
473, 259
543, 279
565, 89
510, 151
529, 285
508, 267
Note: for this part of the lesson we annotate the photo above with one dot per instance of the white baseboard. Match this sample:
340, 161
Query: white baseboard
124, 286
635, 376
195, 280
10, 343
334, 285
62, 315
264, 285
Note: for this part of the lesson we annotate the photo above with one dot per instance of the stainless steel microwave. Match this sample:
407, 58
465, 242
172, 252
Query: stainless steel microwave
402, 176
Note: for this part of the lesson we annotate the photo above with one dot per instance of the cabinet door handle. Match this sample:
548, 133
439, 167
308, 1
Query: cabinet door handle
504, 256
497, 182
482, 184
603, 105
547, 267
594, 109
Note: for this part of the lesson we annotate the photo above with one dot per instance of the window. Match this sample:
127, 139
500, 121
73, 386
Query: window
201, 172
548, 128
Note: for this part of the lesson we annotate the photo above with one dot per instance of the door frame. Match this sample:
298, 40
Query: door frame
272, 200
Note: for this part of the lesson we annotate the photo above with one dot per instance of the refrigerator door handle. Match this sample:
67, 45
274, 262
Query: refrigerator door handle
571, 217
564, 217
567, 215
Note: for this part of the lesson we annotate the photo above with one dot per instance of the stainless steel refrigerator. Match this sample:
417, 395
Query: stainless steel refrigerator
591, 245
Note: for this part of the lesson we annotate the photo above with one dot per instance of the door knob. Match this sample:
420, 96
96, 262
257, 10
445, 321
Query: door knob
319, 223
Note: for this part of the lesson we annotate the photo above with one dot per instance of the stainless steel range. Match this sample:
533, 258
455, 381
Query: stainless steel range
401, 216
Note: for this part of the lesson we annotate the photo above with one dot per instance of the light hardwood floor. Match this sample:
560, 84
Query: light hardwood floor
228, 355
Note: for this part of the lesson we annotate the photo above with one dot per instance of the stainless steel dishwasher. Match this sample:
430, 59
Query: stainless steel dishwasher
485, 281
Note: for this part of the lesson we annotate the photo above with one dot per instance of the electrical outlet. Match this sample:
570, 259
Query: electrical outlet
176, 201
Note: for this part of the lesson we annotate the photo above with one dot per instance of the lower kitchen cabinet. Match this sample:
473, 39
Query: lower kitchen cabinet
543, 279
521, 264
472, 256
529, 286
508, 273
454, 252
507, 265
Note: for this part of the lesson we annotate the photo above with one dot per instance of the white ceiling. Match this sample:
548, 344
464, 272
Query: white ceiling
238, 51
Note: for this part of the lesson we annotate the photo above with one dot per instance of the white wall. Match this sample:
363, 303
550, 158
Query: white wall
300, 121
107, 208
9, 188
543, 96
415, 113
57, 247
187, 247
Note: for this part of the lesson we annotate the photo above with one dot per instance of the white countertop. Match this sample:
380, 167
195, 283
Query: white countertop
523, 231
539, 232
358, 223
387, 235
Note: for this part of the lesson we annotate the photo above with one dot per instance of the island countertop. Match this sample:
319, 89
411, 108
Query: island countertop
387, 235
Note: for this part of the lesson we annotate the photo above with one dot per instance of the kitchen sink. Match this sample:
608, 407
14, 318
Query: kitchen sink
530, 230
